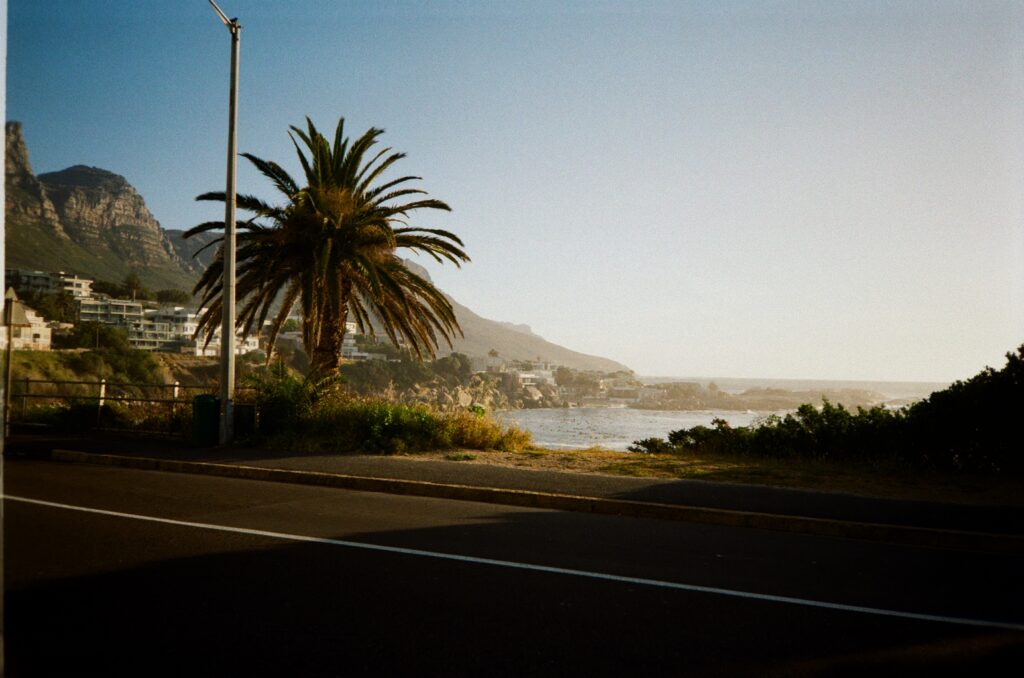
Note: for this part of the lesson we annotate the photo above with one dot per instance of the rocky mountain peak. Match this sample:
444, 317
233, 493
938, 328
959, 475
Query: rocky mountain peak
85, 220
91, 221
83, 176
17, 165
25, 196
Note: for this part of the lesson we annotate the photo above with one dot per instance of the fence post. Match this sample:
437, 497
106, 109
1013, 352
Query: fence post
103, 395
173, 408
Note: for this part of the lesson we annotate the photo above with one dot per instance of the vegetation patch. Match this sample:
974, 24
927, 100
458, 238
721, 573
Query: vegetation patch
971, 427
301, 416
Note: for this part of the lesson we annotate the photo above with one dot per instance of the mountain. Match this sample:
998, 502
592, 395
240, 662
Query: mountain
512, 341
84, 220
92, 222
482, 335
187, 249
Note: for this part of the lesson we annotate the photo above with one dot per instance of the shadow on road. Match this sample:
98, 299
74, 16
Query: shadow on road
259, 607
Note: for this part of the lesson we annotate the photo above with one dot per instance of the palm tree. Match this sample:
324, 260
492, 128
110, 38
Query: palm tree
332, 248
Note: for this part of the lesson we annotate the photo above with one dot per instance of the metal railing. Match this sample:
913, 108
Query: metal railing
102, 392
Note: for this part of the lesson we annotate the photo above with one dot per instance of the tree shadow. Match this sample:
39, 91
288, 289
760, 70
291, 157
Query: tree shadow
831, 505
261, 607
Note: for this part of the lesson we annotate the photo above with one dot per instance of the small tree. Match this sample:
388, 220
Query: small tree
133, 288
96, 336
172, 296
60, 307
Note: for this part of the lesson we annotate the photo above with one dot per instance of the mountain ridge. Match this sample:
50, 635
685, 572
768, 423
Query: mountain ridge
84, 220
92, 222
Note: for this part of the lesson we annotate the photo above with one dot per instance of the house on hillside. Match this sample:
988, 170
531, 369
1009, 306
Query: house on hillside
201, 348
163, 329
29, 331
26, 282
107, 311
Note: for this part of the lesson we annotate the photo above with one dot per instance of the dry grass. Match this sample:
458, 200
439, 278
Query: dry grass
865, 480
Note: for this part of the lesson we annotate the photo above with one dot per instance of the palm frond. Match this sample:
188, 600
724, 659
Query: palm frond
331, 249
282, 180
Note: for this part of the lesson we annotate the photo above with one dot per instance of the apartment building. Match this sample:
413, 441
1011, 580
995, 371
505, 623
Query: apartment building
122, 312
25, 282
200, 347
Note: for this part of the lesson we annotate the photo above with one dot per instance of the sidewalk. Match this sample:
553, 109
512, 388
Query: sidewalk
740, 505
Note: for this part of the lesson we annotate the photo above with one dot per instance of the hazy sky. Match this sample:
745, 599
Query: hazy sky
766, 189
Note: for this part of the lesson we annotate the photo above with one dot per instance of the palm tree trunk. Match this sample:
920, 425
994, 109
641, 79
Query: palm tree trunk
325, 360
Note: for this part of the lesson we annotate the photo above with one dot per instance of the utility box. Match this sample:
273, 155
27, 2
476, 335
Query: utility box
205, 420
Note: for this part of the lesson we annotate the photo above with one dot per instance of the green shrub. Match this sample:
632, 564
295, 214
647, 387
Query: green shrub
651, 446
282, 402
82, 415
295, 415
971, 426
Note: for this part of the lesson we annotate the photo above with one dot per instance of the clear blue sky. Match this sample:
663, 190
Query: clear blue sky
765, 189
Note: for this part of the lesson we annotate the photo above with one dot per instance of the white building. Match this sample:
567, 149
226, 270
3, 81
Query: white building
535, 377
27, 281
29, 332
121, 312
156, 329
163, 329
212, 349
149, 328
348, 343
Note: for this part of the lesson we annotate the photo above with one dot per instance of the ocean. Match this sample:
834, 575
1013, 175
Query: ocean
615, 428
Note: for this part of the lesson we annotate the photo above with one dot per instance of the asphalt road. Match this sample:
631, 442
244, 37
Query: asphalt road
259, 578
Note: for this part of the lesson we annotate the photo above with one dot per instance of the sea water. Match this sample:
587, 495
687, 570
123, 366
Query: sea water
613, 428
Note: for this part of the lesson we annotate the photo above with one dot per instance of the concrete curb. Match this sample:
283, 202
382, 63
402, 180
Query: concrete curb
824, 527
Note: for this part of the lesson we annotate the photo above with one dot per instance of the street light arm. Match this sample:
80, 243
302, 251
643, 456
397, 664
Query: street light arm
223, 17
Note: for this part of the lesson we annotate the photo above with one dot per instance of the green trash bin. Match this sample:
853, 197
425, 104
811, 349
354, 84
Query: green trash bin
205, 420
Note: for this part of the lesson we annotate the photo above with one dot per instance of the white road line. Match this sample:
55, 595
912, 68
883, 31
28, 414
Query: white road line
639, 581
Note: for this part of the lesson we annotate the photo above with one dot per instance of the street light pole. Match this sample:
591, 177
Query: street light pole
227, 329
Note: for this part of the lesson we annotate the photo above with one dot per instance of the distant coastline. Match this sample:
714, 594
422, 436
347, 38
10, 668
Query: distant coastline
892, 390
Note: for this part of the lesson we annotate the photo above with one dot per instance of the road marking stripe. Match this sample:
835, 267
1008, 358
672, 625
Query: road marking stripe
640, 581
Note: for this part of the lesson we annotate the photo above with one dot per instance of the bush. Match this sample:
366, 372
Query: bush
93, 335
282, 402
83, 415
297, 415
651, 446
971, 426
480, 432
173, 296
